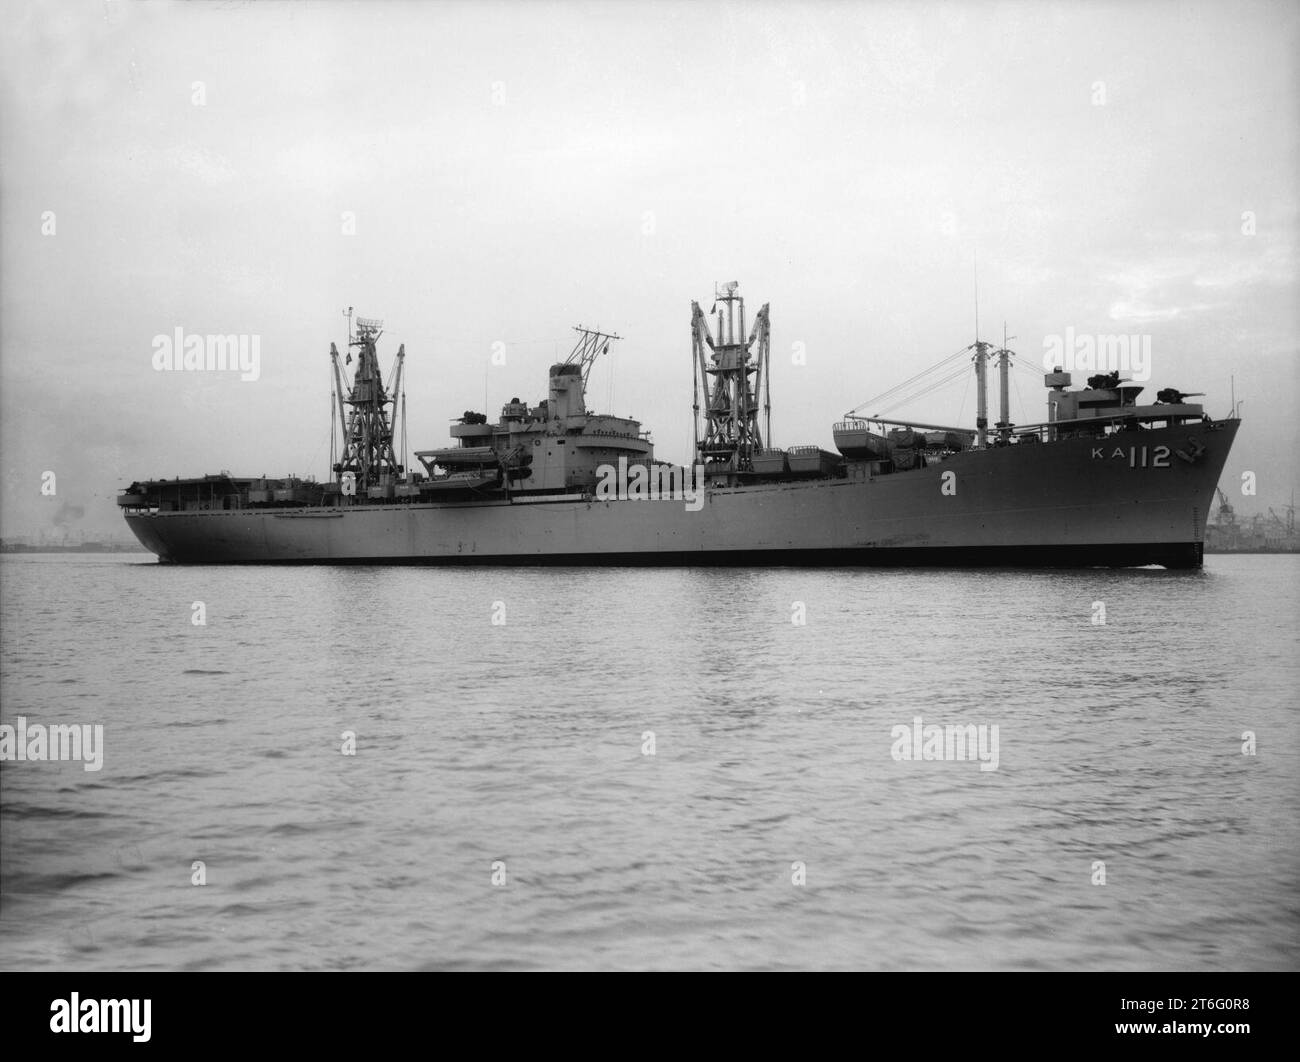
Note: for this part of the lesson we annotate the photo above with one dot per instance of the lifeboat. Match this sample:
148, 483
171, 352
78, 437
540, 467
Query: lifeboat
854, 441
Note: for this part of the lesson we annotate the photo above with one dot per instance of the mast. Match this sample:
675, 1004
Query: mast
368, 438
982, 397
981, 369
1004, 397
731, 371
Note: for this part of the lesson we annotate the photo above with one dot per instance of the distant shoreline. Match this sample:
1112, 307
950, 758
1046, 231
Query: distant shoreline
72, 549
1270, 552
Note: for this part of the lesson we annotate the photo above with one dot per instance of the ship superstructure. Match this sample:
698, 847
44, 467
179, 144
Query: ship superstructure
1104, 479
553, 448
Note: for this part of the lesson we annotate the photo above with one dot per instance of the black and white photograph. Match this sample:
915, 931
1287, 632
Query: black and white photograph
556, 486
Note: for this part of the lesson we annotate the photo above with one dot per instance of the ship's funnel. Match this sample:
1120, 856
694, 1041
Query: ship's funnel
566, 399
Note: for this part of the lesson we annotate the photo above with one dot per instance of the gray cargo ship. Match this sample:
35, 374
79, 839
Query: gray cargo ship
1105, 480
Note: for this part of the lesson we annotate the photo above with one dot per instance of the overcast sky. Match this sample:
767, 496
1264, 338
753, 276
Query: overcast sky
515, 169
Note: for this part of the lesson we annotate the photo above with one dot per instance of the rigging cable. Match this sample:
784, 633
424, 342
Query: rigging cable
908, 399
964, 392
908, 382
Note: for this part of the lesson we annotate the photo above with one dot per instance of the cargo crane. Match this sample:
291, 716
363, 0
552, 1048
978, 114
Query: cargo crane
723, 368
1277, 530
1226, 513
368, 454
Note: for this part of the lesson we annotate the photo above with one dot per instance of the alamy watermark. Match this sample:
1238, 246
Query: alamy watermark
209, 353
957, 742
77, 1015
659, 483
67, 742
1096, 353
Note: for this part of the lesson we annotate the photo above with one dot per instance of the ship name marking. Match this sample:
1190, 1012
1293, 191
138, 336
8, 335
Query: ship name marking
1136, 456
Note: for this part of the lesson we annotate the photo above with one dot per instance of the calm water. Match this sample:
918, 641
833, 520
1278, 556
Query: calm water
521, 743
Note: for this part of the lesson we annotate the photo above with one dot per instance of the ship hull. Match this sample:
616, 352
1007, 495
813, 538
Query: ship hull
1129, 499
